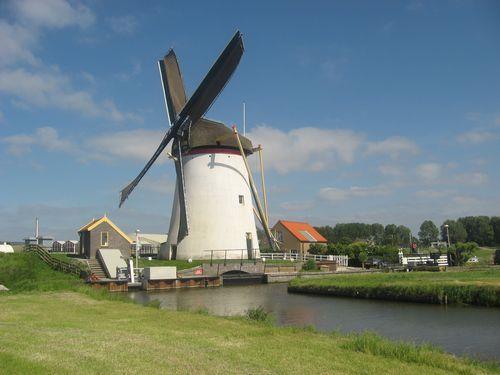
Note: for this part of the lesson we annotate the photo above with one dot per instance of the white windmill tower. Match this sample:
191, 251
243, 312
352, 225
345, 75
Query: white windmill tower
213, 212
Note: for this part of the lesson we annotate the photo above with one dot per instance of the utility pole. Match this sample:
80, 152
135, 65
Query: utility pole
448, 233
448, 237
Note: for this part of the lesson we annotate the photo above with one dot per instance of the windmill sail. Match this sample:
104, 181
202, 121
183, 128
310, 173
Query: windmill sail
175, 99
198, 104
173, 86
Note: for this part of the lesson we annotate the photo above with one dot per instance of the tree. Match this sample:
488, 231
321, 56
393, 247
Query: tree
461, 252
456, 229
495, 224
319, 249
328, 233
363, 257
428, 232
390, 234
479, 229
377, 233
403, 236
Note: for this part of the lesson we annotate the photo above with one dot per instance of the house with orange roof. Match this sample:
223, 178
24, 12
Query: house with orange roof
101, 234
296, 236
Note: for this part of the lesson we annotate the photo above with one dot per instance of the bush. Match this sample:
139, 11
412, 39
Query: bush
258, 314
318, 249
310, 265
460, 253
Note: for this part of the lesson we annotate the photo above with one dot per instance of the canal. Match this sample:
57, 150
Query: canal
462, 330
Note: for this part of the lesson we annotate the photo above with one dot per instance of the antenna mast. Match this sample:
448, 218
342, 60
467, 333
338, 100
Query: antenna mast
244, 120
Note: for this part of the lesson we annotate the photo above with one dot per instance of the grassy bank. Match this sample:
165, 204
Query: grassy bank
51, 322
22, 272
468, 287
85, 335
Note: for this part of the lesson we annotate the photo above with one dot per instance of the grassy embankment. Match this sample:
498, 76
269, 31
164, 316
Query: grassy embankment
484, 255
64, 331
475, 287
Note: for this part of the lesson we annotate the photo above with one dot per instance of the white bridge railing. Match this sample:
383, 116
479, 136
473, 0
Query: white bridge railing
341, 260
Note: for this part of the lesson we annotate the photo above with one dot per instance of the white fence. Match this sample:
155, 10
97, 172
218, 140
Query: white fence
422, 259
341, 260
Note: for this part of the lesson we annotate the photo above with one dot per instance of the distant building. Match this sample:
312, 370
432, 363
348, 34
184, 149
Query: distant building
103, 234
71, 246
57, 246
38, 239
150, 242
295, 236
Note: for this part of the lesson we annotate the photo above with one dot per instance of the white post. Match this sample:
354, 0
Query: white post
137, 247
131, 270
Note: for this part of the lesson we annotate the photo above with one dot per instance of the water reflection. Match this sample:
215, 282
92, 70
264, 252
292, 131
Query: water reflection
461, 330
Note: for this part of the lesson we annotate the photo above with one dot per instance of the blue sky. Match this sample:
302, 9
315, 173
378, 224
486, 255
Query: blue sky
367, 111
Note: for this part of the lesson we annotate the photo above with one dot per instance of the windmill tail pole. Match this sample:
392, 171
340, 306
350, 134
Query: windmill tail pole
260, 221
263, 182
262, 215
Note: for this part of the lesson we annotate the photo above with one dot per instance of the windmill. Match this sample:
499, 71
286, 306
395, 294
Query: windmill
212, 213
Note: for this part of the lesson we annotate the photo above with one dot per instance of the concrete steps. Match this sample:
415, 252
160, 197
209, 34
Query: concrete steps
96, 268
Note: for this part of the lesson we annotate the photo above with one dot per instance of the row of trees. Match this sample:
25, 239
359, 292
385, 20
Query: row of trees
483, 230
377, 234
361, 252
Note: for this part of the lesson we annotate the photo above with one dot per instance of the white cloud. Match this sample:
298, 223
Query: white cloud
53, 13
336, 194
17, 42
393, 146
46, 137
136, 145
52, 89
474, 178
41, 86
297, 205
162, 185
123, 24
309, 148
433, 194
466, 202
476, 136
390, 170
429, 171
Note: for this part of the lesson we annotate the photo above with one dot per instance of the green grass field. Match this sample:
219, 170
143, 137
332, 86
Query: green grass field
485, 255
68, 332
477, 287
52, 323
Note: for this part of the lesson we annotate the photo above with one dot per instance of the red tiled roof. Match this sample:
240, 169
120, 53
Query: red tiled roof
295, 228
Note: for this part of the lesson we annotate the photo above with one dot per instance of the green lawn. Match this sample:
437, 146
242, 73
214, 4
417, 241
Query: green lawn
51, 323
479, 287
21, 272
85, 335
485, 255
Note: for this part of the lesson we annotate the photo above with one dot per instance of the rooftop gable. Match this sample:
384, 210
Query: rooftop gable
304, 232
95, 223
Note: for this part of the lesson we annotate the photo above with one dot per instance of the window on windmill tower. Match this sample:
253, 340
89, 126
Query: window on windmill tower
241, 199
104, 238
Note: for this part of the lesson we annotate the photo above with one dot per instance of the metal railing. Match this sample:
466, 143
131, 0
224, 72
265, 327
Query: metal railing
54, 263
243, 255
146, 250
341, 260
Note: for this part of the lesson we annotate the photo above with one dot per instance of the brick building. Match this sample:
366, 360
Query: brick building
103, 234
